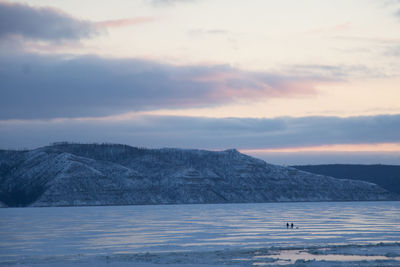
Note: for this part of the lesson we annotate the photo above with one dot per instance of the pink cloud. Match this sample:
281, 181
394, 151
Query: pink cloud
235, 84
375, 147
124, 22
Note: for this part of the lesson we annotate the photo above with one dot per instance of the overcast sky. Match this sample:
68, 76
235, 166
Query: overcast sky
292, 82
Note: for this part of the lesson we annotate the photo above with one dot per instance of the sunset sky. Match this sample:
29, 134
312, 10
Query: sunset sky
291, 82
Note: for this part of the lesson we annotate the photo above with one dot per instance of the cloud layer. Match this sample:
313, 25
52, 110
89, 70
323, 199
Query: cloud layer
206, 133
37, 86
41, 23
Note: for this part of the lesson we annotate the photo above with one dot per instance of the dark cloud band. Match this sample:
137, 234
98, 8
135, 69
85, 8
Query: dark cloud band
206, 133
44, 23
37, 86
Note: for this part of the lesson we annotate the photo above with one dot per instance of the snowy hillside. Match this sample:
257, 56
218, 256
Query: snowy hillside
90, 174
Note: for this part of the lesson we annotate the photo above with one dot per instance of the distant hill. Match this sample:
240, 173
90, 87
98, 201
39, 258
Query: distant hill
67, 174
386, 176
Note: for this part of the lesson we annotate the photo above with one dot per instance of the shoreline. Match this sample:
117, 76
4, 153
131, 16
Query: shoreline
378, 254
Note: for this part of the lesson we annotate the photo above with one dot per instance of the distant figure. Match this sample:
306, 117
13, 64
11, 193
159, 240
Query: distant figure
287, 225
291, 226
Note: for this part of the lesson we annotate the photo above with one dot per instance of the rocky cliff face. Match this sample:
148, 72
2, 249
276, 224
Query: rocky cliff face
78, 174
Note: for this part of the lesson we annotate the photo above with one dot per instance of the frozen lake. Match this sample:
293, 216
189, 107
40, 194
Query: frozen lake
34, 235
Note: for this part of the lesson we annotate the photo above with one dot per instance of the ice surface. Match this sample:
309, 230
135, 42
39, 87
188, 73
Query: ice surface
213, 234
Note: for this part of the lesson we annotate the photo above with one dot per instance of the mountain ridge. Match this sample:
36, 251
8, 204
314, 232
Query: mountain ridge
68, 174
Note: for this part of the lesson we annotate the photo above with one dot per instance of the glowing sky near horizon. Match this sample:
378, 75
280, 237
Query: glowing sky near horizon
115, 64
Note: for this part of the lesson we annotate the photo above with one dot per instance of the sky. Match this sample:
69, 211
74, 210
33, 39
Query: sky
291, 82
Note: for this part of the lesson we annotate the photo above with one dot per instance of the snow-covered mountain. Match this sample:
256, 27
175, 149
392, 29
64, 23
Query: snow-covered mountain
92, 174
